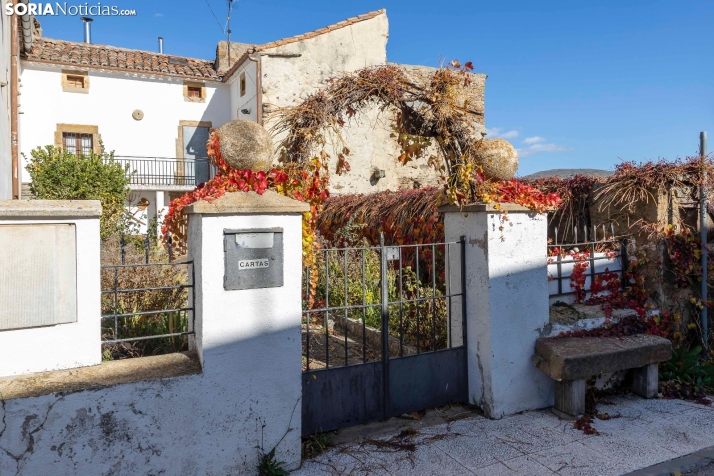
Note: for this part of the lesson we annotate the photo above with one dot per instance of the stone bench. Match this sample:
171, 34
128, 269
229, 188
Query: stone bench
572, 360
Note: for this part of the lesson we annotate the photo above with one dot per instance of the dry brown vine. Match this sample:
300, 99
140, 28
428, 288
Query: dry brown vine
433, 110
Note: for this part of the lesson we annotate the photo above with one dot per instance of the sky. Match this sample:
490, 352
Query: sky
571, 84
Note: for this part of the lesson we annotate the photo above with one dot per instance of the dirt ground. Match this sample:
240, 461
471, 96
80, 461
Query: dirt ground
336, 347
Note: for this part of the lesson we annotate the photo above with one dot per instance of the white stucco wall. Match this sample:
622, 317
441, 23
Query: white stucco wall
247, 397
109, 105
252, 336
250, 99
507, 307
5, 145
61, 346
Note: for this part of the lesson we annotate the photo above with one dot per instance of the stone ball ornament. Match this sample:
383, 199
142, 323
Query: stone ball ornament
246, 145
497, 157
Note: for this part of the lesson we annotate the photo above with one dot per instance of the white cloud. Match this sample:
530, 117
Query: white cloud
158, 14
497, 132
533, 140
540, 147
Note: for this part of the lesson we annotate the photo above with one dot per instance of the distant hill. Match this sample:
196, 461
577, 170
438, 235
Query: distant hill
566, 173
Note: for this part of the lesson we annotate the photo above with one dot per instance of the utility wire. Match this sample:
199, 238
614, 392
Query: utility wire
214, 16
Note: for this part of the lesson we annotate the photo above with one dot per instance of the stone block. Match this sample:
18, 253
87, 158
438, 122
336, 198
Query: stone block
570, 397
646, 380
574, 358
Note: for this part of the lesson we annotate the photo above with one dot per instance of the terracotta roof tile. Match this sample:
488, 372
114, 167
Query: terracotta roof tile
101, 56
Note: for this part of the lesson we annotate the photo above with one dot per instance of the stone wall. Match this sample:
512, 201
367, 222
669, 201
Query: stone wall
222, 64
663, 208
292, 71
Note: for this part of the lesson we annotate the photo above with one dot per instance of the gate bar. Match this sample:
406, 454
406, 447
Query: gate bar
387, 402
463, 299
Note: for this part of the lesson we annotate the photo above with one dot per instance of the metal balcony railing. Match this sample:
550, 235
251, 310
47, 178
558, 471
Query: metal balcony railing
167, 171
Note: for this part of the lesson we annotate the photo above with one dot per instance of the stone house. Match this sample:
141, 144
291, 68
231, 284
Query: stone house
155, 110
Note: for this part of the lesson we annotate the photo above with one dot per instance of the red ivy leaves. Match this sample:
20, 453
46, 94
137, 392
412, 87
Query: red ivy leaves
515, 191
308, 185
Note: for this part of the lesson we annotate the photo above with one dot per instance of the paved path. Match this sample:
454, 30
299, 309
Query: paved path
707, 470
533, 443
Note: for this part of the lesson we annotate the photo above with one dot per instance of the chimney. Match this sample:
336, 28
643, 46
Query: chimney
161, 45
87, 29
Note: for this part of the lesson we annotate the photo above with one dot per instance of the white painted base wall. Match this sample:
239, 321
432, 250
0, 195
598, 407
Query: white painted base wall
248, 396
253, 336
197, 425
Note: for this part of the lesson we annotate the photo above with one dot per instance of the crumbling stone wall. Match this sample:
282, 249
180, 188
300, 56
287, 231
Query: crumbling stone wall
663, 208
291, 71
224, 61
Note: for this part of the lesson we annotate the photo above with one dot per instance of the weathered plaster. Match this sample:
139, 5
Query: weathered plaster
215, 423
507, 306
292, 71
67, 345
195, 425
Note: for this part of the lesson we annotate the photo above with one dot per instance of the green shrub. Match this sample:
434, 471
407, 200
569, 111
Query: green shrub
60, 175
685, 368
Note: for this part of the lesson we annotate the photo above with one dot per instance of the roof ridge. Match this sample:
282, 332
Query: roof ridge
321, 31
98, 45
303, 36
89, 55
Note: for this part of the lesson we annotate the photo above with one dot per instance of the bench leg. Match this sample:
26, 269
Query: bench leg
646, 380
570, 397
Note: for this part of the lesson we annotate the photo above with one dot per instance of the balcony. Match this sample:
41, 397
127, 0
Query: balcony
167, 173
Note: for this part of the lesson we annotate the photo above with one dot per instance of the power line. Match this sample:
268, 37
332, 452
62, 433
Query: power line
214, 16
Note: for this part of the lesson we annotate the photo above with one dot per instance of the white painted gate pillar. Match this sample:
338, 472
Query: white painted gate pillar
506, 303
249, 340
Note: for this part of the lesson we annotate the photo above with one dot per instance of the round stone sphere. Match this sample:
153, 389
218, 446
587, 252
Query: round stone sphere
246, 145
498, 158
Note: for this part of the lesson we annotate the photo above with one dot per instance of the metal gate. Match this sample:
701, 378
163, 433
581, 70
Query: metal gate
147, 299
383, 333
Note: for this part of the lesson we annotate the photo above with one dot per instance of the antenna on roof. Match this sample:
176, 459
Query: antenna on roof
228, 30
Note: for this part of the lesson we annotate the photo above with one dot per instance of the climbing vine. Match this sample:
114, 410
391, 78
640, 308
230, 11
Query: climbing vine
307, 183
431, 110
412, 216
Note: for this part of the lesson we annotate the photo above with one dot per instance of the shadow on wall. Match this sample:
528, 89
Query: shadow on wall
247, 397
218, 109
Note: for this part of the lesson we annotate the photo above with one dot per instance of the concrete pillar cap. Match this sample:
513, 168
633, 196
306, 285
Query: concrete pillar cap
486, 207
248, 202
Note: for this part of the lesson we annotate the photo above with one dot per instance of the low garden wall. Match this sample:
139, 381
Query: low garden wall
219, 409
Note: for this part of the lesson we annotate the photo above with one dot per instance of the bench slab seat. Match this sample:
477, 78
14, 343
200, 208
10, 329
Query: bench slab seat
572, 360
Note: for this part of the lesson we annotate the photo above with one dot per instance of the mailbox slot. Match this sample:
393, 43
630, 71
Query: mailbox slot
253, 258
